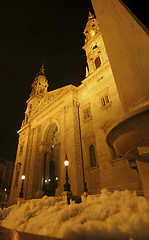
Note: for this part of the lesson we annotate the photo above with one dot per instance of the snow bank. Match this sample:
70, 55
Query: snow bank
118, 215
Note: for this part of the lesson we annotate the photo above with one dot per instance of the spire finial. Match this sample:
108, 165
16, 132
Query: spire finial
90, 16
42, 70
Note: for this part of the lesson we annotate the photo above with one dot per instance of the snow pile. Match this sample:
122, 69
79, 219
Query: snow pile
118, 215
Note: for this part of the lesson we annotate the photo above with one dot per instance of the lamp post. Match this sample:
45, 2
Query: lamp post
22, 185
66, 185
67, 192
84, 182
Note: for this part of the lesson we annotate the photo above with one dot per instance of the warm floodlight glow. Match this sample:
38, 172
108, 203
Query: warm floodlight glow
45, 180
49, 180
5, 189
23, 177
56, 178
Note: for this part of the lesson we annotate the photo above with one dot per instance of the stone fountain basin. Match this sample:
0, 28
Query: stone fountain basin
130, 133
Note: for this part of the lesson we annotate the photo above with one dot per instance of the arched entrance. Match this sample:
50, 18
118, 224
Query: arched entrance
51, 161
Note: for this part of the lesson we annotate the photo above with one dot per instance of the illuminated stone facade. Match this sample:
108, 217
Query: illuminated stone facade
127, 44
73, 121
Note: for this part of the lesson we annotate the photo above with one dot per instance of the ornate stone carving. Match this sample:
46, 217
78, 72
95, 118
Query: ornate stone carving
51, 98
107, 124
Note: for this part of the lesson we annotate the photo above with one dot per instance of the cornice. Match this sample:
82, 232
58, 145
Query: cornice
91, 40
23, 128
96, 74
30, 98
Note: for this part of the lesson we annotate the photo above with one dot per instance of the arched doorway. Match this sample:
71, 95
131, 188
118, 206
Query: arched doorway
51, 162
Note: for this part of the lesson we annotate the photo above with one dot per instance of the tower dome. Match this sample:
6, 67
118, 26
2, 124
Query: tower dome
91, 28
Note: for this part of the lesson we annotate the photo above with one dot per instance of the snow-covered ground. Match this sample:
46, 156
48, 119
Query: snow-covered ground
118, 215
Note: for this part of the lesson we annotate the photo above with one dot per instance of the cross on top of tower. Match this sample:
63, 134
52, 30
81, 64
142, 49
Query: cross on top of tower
42, 70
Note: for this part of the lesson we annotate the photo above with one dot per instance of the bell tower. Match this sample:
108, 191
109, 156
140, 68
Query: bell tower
94, 47
40, 85
39, 90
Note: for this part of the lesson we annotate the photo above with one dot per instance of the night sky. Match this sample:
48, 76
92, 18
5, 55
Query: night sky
33, 31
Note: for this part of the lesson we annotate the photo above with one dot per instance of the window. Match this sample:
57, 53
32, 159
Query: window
87, 113
30, 108
105, 100
97, 62
18, 167
95, 46
21, 149
92, 156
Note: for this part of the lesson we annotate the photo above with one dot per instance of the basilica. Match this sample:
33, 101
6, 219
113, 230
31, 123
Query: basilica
73, 122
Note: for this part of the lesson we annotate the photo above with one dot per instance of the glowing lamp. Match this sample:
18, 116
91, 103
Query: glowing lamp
66, 185
23, 177
66, 162
22, 185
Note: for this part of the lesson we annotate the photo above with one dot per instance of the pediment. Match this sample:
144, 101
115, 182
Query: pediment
51, 97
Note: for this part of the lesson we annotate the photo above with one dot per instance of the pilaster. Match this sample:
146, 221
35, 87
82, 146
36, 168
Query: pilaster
77, 145
34, 164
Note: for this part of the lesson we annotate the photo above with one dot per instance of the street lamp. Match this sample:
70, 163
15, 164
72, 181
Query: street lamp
66, 185
22, 185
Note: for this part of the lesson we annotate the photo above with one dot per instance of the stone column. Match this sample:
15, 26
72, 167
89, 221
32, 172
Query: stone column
42, 147
47, 176
91, 64
79, 161
40, 178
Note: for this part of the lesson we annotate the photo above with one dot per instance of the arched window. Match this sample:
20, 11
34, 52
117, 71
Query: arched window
18, 167
92, 156
95, 46
97, 62
107, 98
103, 101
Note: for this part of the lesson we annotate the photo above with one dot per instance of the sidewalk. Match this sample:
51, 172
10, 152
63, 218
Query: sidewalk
8, 234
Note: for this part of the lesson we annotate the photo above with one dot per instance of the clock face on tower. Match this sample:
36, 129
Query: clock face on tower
92, 33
